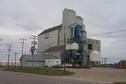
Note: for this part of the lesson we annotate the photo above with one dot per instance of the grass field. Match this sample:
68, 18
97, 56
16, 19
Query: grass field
41, 71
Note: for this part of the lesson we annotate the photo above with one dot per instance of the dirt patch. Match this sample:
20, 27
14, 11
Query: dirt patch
99, 74
2, 67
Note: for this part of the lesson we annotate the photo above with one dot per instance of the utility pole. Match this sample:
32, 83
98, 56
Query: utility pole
22, 42
34, 38
102, 61
64, 49
9, 50
1, 39
22, 51
33, 47
12, 63
105, 60
15, 59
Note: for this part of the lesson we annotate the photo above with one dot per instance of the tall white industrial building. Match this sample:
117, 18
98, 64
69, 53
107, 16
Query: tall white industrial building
79, 48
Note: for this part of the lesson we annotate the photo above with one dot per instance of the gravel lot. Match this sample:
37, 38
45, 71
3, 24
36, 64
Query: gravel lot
106, 75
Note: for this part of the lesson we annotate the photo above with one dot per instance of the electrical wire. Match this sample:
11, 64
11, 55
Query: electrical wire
107, 33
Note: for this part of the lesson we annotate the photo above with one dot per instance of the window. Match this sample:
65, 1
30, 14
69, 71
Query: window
90, 46
57, 61
46, 36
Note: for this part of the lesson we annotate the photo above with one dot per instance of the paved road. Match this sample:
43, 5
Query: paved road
23, 78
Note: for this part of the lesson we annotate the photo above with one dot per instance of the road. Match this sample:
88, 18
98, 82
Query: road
7, 77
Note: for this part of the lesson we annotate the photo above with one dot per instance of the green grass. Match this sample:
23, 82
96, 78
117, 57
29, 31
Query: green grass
119, 83
41, 71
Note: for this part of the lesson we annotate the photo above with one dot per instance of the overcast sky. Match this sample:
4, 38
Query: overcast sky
23, 18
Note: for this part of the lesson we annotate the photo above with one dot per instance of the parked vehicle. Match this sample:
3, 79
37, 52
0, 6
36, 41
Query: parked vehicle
85, 66
58, 66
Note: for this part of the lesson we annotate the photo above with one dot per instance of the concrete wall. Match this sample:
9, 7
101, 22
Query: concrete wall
52, 62
85, 54
96, 44
79, 20
47, 40
70, 19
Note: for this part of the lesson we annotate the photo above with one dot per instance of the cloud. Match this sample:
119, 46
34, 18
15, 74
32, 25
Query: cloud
23, 18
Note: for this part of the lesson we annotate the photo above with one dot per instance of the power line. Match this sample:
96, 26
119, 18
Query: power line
107, 33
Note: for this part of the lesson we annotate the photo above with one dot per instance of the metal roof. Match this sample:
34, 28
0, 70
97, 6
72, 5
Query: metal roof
36, 57
53, 49
51, 29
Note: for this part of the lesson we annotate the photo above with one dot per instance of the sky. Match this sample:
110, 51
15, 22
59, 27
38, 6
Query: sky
23, 18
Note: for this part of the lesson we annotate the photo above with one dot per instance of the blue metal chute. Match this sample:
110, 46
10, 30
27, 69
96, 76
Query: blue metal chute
77, 36
67, 56
77, 33
72, 31
71, 54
